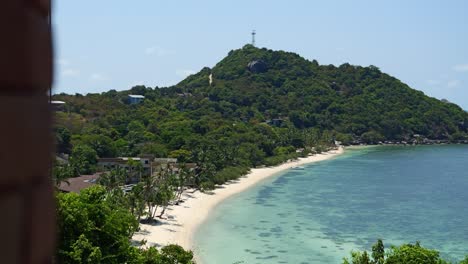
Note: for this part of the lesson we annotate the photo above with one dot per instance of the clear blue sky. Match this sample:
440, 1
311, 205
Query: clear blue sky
114, 44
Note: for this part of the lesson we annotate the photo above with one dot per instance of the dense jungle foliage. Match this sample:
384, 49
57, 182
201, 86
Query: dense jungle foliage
96, 227
242, 117
226, 120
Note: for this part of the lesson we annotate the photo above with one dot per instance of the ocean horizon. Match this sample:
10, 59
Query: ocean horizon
318, 213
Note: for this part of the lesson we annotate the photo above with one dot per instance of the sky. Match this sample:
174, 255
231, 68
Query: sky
116, 44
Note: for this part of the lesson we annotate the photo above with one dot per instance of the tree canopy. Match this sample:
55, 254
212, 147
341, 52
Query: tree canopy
245, 118
226, 120
94, 228
407, 253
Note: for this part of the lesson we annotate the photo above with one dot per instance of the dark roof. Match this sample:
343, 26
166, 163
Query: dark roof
79, 183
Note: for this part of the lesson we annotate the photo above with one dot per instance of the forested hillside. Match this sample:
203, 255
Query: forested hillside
347, 99
255, 107
258, 107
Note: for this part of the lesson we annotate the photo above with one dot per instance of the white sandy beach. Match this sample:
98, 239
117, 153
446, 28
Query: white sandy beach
183, 220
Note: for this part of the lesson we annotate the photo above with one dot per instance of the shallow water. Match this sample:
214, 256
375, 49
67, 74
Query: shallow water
319, 213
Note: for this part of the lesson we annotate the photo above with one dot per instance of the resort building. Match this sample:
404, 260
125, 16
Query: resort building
149, 164
123, 162
107, 164
57, 105
163, 163
135, 99
79, 183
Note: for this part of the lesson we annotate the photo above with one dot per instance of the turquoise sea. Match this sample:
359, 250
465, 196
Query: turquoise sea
319, 213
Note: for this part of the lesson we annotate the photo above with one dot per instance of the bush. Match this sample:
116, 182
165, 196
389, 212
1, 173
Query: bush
345, 139
279, 159
207, 186
407, 253
372, 137
284, 150
93, 228
230, 173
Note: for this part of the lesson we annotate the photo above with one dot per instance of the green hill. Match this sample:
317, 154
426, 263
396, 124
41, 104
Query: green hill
255, 107
348, 99
248, 116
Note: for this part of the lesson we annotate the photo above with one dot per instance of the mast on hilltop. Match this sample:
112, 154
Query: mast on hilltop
253, 37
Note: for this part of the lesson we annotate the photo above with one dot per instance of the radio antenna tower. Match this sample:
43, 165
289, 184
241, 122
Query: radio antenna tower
253, 37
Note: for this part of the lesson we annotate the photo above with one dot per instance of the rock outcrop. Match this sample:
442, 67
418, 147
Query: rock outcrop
257, 66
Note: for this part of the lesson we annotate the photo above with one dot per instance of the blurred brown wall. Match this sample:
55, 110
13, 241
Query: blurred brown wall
27, 211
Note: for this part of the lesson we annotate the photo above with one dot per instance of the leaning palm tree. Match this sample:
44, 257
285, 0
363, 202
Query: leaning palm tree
147, 190
158, 190
164, 196
180, 181
136, 200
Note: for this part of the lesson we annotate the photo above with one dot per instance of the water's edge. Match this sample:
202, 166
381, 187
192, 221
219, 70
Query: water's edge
270, 214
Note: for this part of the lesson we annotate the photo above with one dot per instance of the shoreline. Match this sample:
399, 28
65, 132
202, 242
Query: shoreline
182, 221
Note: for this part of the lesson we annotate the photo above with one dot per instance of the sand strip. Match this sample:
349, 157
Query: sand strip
183, 220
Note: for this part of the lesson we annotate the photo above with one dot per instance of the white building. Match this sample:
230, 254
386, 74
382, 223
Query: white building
135, 98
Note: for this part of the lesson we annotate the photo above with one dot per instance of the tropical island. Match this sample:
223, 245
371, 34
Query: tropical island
135, 155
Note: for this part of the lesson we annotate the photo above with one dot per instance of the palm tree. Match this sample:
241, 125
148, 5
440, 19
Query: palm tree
135, 168
59, 175
149, 188
164, 196
113, 179
136, 201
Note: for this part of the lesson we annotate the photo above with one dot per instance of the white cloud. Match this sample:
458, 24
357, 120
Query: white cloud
184, 73
433, 82
158, 51
98, 77
70, 73
461, 68
453, 83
